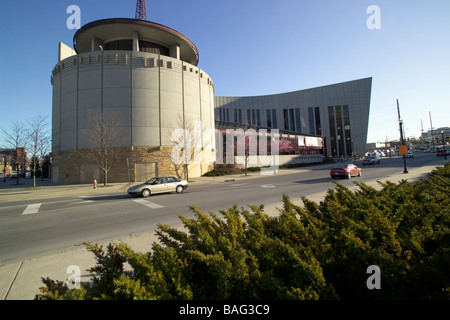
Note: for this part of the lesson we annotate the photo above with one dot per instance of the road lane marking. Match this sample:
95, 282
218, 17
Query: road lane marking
267, 186
148, 203
32, 209
239, 184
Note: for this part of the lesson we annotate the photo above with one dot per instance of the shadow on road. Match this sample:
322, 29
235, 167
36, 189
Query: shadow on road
107, 197
314, 181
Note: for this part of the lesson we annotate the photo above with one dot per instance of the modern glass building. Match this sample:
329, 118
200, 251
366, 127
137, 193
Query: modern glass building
338, 112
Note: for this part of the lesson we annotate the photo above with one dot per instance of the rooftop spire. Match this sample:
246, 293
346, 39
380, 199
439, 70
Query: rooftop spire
141, 11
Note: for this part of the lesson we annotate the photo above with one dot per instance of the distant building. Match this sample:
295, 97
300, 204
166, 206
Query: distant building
13, 160
432, 134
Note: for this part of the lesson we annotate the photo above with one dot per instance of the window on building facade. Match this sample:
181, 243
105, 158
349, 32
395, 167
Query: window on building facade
332, 125
269, 118
340, 130
298, 124
317, 121
146, 46
286, 119
347, 131
312, 128
274, 119
126, 45
291, 120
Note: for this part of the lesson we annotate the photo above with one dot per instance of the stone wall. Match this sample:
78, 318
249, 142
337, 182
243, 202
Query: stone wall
136, 164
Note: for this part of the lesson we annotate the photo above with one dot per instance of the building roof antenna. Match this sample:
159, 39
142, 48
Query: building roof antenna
141, 11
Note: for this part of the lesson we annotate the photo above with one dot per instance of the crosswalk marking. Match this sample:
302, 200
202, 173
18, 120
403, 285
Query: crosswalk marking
32, 209
148, 203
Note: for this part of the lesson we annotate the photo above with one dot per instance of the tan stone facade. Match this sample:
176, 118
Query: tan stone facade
153, 86
136, 164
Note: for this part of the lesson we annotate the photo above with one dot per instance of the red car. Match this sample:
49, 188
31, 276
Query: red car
441, 152
345, 170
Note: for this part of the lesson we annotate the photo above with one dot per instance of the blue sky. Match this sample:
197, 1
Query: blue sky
258, 47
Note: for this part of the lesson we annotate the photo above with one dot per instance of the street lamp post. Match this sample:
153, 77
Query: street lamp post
353, 152
400, 122
403, 143
443, 144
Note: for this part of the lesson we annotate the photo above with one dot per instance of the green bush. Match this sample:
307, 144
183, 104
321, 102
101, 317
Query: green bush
314, 251
216, 173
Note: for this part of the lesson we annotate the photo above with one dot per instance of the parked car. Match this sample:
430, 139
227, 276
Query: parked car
409, 155
158, 185
345, 171
371, 160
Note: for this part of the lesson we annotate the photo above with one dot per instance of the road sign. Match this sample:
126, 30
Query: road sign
403, 149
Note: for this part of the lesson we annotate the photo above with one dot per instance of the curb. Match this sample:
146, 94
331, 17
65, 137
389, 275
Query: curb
21, 281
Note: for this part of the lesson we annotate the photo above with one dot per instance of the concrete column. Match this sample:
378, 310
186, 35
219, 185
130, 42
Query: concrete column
135, 42
64, 52
96, 43
175, 52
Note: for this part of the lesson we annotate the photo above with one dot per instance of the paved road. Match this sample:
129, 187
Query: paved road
32, 228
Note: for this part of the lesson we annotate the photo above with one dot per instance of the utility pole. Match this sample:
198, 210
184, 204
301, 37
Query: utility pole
421, 132
443, 145
400, 122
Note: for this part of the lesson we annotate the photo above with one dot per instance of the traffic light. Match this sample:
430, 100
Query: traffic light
437, 138
446, 137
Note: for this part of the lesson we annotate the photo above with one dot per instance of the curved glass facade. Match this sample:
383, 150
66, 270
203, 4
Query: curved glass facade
144, 46
126, 45
147, 46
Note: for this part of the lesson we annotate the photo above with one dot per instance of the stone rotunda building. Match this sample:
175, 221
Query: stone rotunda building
146, 75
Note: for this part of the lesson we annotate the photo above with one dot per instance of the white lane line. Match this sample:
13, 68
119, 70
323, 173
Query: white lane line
148, 204
32, 208
267, 186
96, 196
84, 201
240, 184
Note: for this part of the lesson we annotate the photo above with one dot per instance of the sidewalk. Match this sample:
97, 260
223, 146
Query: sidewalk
10, 191
21, 281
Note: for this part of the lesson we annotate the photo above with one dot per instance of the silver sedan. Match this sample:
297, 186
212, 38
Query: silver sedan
158, 185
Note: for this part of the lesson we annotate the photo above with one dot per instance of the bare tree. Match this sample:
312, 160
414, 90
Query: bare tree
44, 152
16, 138
245, 143
190, 140
104, 141
38, 141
